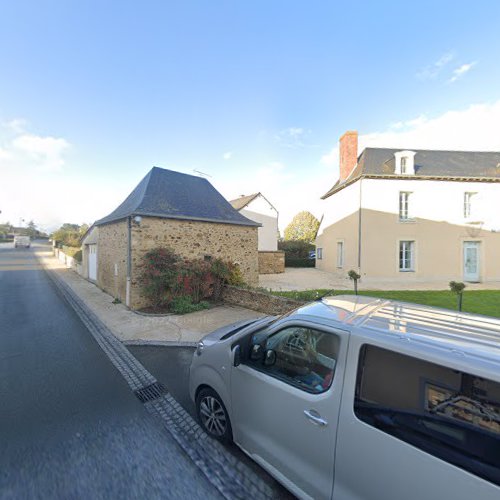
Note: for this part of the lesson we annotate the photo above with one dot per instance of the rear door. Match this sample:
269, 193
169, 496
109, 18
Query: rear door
285, 414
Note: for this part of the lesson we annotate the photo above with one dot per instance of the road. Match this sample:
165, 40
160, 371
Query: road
70, 427
170, 365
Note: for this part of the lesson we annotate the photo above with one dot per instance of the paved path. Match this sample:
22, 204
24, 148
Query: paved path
311, 279
70, 427
131, 327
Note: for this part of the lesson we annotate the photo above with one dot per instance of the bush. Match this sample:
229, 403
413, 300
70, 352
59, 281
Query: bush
296, 249
168, 281
75, 252
184, 305
293, 262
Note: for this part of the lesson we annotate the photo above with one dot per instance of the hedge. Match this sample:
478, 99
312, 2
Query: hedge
290, 262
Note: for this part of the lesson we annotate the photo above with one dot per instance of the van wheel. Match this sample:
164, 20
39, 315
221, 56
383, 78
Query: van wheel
213, 416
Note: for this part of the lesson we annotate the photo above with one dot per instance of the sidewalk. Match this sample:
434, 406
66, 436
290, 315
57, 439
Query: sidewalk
133, 328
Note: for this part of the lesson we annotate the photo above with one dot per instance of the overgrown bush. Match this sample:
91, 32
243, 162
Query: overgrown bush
169, 282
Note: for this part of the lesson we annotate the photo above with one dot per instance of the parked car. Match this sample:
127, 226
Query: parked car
312, 254
22, 241
359, 398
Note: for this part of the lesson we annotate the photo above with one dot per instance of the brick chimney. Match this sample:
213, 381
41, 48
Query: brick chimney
348, 153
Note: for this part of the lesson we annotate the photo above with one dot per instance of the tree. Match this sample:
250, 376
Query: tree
304, 227
68, 234
31, 229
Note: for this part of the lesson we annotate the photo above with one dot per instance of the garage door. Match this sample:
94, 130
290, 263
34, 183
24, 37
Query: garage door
93, 262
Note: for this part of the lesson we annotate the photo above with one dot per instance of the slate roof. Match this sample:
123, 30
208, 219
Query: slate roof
172, 195
429, 164
243, 201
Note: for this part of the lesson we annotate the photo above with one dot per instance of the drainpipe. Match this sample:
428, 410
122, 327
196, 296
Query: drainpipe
359, 226
129, 260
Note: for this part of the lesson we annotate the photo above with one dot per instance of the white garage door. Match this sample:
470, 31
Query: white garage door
93, 262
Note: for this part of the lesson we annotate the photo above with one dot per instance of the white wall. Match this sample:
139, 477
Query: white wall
340, 206
435, 200
268, 233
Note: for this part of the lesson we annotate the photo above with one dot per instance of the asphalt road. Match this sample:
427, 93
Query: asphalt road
69, 425
170, 365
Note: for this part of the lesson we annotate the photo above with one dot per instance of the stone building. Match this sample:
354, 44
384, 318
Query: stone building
168, 209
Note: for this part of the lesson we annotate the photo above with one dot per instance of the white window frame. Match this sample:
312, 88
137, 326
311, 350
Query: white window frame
406, 265
319, 253
403, 164
467, 207
340, 254
404, 206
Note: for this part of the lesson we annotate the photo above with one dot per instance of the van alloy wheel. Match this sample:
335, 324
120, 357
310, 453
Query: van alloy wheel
213, 415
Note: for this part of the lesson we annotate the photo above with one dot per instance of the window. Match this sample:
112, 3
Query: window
450, 414
468, 204
340, 254
404, 206
319, 253
304, 357
403, 165
406, 255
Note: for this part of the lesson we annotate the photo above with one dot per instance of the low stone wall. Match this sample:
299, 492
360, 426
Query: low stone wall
258, 301
271, 262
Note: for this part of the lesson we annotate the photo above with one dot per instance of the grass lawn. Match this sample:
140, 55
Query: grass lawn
474, 301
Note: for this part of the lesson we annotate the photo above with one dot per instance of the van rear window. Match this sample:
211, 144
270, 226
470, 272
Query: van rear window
450, 414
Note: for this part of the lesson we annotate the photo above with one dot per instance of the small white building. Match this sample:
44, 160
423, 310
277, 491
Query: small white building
258, 208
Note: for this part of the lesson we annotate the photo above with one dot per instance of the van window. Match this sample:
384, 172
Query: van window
450, 414
304, 357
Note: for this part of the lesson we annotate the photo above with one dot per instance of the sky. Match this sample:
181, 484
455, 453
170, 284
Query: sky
252, 94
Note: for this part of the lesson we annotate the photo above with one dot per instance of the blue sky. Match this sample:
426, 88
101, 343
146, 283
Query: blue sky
253, 93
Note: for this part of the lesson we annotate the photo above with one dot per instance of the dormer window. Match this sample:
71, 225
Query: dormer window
405, 164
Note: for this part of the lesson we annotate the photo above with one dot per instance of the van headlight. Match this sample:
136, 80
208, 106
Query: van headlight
199, 348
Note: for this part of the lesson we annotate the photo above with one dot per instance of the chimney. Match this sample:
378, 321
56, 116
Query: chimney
348, 153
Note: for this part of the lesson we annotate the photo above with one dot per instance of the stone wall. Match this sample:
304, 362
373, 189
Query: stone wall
271, 262
193, 240
112, 259
259, 301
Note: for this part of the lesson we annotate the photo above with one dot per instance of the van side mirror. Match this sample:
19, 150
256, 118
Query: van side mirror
270, 358
237, 355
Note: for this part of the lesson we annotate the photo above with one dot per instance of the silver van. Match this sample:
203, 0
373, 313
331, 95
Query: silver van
359, 398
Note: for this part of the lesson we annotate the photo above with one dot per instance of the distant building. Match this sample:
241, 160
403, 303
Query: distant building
258, 208
406, 216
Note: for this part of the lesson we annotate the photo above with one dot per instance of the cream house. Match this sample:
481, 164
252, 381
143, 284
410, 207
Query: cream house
409, 216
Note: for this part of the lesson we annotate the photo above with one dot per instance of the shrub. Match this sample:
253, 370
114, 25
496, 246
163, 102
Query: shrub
184, 305
168, 281
294, 262
354, 276
159, 276
296, 249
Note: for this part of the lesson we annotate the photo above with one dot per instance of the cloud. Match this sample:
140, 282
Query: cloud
17, 125
432, 71
228, 155
294, 137
45, 152
461, 71
474, 128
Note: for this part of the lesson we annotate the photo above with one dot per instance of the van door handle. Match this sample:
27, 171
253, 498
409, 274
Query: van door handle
315, 417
